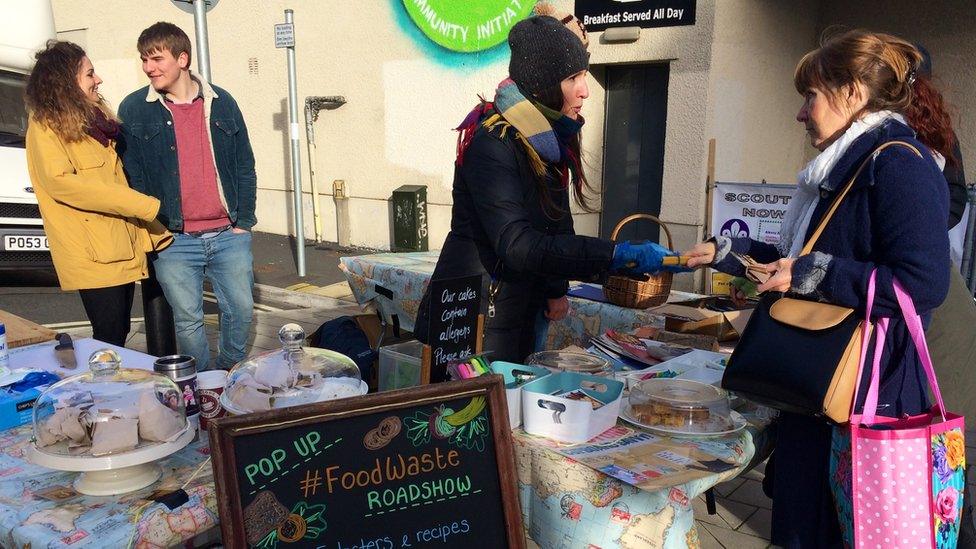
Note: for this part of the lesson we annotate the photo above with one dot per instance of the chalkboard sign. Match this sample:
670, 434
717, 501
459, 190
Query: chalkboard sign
425, 467
454, 331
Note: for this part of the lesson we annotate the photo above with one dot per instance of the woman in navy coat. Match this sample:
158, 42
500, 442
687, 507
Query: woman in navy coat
855, 89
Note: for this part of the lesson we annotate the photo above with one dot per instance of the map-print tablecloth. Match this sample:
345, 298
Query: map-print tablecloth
569, 504
401, 279
566, 501
39, 508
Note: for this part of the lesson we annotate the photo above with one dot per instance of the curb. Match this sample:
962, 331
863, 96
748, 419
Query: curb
300, 299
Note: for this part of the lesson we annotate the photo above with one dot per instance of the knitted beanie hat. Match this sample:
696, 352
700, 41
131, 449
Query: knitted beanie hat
566, 18
544, 52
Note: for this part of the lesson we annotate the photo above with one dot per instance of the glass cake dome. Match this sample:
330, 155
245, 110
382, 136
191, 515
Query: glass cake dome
109, 419
290, 376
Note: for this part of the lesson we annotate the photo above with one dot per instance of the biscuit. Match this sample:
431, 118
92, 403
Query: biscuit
390, 427
263, 515
379, 437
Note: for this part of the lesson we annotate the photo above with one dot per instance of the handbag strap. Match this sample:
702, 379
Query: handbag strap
808, 246
915, 328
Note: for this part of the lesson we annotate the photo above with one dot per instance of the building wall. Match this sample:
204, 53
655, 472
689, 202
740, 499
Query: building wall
688, 50
947, 28
752, 102
730, 79
404, 95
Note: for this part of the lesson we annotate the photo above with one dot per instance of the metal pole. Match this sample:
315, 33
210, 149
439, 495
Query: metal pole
203, 41
296, 159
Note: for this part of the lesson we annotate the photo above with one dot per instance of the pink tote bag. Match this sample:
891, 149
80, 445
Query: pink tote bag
907, 473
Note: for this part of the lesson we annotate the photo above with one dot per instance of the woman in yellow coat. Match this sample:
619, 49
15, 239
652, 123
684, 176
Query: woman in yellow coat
98, 228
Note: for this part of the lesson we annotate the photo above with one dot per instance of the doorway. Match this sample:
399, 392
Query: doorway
633, 163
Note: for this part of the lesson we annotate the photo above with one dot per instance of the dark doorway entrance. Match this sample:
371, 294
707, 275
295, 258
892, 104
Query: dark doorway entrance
633, 163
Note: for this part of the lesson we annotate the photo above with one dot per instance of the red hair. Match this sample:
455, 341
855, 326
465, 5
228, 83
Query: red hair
929, 116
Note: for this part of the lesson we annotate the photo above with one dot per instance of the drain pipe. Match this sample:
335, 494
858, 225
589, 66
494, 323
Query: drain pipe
313, 104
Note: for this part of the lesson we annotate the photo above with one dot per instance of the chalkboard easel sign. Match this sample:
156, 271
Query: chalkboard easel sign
456, 325
430, 466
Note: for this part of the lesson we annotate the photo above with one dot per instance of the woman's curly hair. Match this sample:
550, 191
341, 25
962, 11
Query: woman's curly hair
52, 94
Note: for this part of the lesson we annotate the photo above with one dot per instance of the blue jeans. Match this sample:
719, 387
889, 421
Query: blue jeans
226, 260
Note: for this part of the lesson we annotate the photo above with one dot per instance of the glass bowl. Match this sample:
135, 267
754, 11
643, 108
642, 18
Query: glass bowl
291, 376
571, 361
110, 422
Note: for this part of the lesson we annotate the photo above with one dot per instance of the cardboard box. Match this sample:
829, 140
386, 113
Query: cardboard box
544, 413
700, 316
513, 389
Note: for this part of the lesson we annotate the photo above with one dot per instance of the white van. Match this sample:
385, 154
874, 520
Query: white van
24, 28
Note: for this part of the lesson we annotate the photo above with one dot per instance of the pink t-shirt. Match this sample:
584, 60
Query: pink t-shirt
202, 208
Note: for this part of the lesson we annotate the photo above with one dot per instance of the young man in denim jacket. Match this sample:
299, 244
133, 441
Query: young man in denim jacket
185, 142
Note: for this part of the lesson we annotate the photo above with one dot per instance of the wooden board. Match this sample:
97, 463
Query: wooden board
431, 466
21, 332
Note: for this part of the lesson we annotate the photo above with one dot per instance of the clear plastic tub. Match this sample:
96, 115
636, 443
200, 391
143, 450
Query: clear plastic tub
400, 365
680, 406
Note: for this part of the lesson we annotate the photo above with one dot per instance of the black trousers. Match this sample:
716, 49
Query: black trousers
109, 310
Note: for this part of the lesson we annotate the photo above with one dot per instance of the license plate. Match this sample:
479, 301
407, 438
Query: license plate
30, 243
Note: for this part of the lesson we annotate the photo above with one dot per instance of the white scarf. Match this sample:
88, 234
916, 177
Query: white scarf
814, 175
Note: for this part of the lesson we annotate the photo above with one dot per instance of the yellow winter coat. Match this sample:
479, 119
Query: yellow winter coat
98, 228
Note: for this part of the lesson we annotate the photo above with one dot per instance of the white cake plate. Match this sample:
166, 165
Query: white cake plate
115, 474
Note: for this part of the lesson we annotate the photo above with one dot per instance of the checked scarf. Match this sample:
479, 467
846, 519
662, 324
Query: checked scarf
542, 131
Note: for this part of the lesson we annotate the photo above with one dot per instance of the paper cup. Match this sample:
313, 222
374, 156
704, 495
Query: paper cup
210, 385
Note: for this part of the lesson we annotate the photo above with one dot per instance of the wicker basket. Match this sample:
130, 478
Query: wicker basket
643, 292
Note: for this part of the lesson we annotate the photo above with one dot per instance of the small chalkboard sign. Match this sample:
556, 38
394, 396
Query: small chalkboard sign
430, 466
456, 323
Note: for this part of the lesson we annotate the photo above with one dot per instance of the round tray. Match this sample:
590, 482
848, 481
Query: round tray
114, 474
738, 423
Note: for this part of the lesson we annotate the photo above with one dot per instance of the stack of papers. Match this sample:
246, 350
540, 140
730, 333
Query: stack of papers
639, 353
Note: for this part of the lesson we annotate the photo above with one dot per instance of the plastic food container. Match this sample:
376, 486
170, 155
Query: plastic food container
110, 423
400, 365
291, 376
515, 376
680, 406
569, 361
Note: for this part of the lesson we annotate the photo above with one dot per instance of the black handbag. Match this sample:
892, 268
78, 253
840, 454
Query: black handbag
797, 355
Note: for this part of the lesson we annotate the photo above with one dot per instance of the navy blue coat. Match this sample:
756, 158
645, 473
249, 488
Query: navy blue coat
893, 219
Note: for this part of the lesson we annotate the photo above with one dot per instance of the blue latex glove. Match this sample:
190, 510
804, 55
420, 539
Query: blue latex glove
641, 257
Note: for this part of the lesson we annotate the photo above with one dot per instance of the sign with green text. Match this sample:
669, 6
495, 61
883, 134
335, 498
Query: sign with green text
467, 25
425, 467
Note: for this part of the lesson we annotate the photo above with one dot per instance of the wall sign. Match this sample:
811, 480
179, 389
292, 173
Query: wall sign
467, 26
422, 467
598, 15
455, 322
284, 34
750, 210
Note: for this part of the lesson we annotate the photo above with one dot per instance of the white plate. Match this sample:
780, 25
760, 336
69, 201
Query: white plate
738, 423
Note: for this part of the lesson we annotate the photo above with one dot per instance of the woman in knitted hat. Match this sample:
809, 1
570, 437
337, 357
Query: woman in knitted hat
517, 158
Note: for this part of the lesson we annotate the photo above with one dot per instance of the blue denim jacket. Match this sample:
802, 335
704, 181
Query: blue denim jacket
147, 145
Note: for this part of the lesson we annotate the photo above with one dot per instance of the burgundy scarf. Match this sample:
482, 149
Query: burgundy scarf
102, 128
